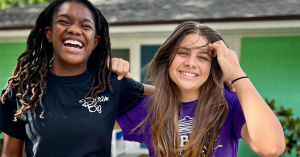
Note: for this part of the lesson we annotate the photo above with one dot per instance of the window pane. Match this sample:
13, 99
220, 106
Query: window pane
121, 53
147, 54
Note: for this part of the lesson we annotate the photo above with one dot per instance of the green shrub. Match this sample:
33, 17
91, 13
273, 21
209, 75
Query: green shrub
290, 124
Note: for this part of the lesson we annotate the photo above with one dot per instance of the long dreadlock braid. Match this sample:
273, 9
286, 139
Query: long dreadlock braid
30, 74
94, 60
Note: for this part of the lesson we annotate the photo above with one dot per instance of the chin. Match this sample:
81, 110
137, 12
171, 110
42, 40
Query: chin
187, 87
74, 59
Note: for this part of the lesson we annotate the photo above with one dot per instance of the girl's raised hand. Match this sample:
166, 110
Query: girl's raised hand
227, 59
120, 67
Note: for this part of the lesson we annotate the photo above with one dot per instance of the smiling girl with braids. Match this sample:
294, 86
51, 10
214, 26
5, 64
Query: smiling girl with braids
191, 114
61, 100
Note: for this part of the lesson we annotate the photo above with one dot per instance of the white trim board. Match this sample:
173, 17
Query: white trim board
160, 28
220, 26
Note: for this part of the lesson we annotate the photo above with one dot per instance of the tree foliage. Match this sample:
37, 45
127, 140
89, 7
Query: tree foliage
4, 4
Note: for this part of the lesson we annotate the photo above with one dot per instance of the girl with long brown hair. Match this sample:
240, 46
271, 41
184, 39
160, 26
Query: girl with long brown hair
191, 114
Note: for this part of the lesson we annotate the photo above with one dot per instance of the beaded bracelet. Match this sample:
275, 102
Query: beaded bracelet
239, 78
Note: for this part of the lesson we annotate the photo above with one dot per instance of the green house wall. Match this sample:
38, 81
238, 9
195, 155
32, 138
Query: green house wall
9, 53
273, 66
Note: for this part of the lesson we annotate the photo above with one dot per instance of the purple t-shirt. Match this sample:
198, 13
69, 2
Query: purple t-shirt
229, 135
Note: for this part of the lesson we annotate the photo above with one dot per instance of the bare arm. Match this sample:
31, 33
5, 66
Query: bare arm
117, 126
148, 90
12, 147
262, 130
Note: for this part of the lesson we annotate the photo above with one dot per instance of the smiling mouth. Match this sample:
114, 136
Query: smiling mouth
188, 74
73, 44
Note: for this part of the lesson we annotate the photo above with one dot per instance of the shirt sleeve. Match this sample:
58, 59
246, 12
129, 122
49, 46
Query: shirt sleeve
131, 93
129, 120
7, 111
238, 119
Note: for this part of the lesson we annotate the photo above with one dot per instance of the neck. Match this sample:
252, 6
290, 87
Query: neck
69, 70
187, 96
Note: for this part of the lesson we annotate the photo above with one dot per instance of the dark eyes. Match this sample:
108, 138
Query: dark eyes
185, 54
63, 22
67, 23
182, 53
202, 58
86, 26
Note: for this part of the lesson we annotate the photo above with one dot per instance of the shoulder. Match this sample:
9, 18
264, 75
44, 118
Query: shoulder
139, 111
143, 105
4, 89
145, 102
229, 96
10, 104
113, 77
136, 114
11, 93
114, 80
126, 84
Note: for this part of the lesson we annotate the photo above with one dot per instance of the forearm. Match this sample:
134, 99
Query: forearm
148, 90
263, 127
11, 155
12, 147
117, 126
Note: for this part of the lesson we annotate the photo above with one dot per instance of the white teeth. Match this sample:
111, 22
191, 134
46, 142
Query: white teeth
78, 43
188, 74
73, 42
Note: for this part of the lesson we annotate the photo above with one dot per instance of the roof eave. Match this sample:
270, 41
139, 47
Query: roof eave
240, 19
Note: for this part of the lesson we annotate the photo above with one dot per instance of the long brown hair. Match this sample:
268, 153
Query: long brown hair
211, 108
30, 75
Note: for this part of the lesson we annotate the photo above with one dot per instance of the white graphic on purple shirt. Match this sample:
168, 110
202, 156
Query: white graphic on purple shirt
185, 129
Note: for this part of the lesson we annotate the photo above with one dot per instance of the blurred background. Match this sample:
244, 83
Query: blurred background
265, 34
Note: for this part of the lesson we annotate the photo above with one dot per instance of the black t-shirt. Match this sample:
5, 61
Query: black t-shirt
72, 127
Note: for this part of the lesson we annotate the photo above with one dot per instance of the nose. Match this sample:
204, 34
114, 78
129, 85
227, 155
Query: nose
190, 61
74, 29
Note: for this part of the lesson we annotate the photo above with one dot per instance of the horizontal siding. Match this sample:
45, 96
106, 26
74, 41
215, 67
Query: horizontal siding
9, 53
273, 66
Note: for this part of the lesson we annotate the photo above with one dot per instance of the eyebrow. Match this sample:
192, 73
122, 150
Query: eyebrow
68, 17
200, 47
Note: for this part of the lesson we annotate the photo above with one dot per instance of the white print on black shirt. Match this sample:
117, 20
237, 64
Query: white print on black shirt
185, 129
92, 104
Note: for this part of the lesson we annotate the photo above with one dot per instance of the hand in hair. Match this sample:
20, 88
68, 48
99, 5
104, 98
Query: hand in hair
120, 67
228, 60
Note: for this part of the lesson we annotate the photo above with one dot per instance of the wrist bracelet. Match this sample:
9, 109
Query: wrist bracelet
239, 78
